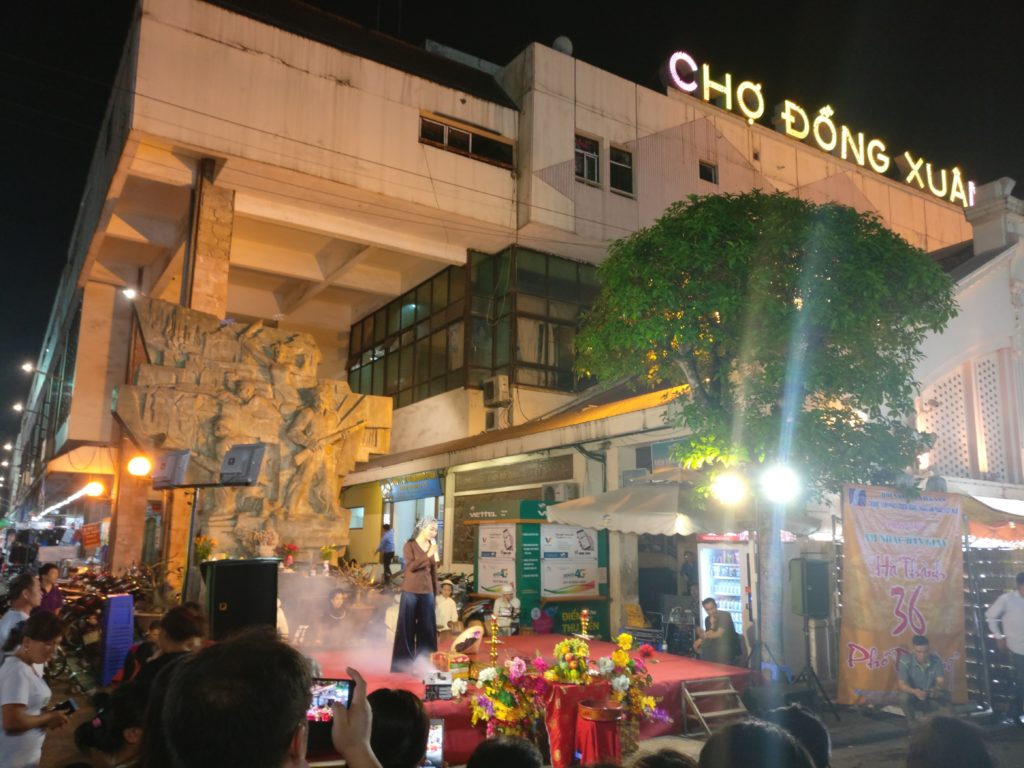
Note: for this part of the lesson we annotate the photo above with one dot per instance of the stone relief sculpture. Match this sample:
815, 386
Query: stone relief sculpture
211, 384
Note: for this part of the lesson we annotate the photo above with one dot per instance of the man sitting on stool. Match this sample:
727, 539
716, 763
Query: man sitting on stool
921, 680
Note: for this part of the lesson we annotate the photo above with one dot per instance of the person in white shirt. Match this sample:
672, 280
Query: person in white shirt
23, 694
506, 609
447, 612
24, 594
1006, 622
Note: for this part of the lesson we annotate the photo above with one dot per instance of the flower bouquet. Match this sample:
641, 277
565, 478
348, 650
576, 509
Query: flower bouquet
510, 698
630, 680
327, 551
288, 553
202, 548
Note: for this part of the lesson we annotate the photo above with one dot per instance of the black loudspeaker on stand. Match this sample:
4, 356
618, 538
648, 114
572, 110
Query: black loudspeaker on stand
809, 595
240, 594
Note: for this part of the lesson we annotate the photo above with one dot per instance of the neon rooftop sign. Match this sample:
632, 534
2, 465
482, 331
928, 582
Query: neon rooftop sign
820, 130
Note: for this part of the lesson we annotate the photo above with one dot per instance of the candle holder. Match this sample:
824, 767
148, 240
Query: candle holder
494, 640
584, 625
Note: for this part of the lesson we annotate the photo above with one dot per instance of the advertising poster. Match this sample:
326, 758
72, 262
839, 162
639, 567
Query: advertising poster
567, 579
496, 564
492, 575
498, 542
902, 576
568, 542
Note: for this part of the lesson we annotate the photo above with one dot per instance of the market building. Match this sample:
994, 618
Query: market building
433, 223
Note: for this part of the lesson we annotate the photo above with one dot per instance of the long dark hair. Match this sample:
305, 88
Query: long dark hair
41, 626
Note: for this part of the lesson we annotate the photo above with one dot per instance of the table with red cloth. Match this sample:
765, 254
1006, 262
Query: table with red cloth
461, 737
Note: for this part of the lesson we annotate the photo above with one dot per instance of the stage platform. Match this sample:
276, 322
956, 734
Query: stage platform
460, 738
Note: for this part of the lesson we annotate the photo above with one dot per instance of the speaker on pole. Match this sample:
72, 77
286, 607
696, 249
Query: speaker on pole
808, 584
240, 594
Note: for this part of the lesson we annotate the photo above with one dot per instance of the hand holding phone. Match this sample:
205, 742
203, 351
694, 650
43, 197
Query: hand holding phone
434, 757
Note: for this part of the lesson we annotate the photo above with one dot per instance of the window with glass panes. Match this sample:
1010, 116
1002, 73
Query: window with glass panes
620, 170
513, 312
588, 159
412, 348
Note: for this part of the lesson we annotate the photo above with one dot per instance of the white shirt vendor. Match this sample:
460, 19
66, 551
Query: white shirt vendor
445, 610
21, 684
1008, 610
506, 610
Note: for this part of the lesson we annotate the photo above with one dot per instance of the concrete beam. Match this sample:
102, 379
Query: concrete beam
349, 228
335, 259
138, 228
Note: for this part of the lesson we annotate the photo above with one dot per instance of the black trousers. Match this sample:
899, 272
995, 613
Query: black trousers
416, 634
387, 558
1017, 705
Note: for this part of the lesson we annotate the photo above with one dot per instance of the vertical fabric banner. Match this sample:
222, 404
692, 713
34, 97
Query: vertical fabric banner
902, 576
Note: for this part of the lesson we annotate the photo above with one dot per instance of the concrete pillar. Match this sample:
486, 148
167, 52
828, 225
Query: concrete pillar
177, 514
128, 523
213, 221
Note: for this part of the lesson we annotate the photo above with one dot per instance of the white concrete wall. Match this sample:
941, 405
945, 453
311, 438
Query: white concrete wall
449, 416
104, 343
668, 134
272, 97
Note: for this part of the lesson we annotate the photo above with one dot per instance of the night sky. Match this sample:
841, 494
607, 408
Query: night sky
942, 85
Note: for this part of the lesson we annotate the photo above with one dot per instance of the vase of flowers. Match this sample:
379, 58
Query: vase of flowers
265, 542
629, 680
288, 553
510, 697
202, 548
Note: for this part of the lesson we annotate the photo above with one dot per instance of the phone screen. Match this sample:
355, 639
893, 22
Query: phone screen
435, 744
323, 694
326, 693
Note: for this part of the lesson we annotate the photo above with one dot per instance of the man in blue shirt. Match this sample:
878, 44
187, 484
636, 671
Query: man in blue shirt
921, 680
387, 551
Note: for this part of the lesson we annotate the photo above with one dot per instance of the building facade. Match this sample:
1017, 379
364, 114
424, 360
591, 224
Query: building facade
434, 222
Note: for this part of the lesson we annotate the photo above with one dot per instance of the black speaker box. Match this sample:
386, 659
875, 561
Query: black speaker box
240, 594
808, 584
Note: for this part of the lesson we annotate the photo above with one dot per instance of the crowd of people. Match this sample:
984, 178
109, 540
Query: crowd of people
183, 701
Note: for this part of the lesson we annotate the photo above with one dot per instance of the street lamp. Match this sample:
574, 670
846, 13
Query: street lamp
779, 485
8, 446
139, 466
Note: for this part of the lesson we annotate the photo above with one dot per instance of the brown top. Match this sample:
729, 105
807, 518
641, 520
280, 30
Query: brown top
420, 570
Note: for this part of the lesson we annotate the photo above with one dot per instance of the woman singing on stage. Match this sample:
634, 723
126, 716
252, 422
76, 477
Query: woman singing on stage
416, 634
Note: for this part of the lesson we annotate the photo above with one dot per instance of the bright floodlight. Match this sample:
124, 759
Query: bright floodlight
139, 466
730, 488
8, 447
95, 488
27, 367
18, 407
5, 463
780, 484
129, 293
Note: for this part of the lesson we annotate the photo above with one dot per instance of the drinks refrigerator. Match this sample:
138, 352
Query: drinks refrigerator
726, 570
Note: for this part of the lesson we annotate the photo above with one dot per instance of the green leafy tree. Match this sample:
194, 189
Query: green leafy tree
795, 329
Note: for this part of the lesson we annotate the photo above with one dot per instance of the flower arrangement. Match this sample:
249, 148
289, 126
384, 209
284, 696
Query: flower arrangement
630, 680
264, 537
510, 698
202, 548
572, 662
327, 551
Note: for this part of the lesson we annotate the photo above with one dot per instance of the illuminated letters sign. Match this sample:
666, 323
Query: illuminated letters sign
818, 130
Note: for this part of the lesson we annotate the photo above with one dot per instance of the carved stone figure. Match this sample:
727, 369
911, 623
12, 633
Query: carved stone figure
212, 384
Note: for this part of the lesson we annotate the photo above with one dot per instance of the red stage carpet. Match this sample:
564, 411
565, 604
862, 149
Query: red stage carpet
460, 738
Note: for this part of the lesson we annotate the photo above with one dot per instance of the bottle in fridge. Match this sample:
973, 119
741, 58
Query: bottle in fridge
722, 569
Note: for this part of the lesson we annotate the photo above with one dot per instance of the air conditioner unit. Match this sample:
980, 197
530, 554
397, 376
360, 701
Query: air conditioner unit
555, 493
630, 476
496, 391
496, 418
